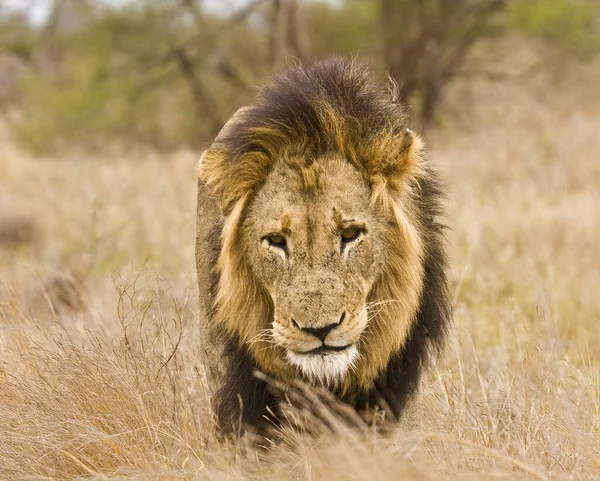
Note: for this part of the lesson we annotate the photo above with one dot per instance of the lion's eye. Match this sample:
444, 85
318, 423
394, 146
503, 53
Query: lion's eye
350, 234
276, 240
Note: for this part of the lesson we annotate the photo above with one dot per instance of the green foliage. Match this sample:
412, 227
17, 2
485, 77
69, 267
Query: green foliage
55, 114
117, 75
119, 82
17, 37
570, 25
352, 27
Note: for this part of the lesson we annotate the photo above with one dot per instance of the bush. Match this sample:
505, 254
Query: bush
569, 25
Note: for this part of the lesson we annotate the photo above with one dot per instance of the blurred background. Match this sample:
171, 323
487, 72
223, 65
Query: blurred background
167, 74
105, 108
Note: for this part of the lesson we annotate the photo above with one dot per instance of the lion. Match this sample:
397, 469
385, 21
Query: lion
321, 250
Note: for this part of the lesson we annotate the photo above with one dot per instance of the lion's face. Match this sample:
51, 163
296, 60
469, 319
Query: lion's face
313, 241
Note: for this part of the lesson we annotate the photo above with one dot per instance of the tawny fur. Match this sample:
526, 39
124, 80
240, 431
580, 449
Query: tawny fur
320, 144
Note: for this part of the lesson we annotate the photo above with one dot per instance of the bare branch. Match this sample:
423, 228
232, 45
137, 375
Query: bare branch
204, 105
427, 42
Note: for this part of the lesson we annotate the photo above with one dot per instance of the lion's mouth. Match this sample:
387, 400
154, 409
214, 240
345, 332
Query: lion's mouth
326, 365
324, 349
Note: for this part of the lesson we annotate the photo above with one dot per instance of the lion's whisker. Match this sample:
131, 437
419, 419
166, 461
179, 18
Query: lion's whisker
264, 335
381, 302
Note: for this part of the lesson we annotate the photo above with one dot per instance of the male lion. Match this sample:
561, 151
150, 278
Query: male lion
320, 253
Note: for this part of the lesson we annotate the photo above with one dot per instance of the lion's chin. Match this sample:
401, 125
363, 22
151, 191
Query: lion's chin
327, 368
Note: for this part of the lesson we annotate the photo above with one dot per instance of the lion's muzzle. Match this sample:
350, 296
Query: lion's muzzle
322, 354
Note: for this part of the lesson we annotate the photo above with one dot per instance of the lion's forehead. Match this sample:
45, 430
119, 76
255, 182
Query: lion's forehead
301, 194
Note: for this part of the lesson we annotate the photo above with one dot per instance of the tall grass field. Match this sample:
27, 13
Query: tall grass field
100, 377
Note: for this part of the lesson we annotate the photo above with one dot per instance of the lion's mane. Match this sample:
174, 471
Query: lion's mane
332, 106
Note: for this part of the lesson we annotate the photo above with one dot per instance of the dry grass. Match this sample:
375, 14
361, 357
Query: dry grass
99, 377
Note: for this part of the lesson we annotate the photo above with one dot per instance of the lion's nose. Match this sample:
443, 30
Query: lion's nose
320, 332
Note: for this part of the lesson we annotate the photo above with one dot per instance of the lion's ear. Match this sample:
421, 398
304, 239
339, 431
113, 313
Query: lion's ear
408, 162
215, 168
401, 161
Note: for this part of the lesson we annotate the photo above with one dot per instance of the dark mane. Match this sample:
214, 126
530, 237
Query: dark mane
297, 102
399, 383
332, 106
